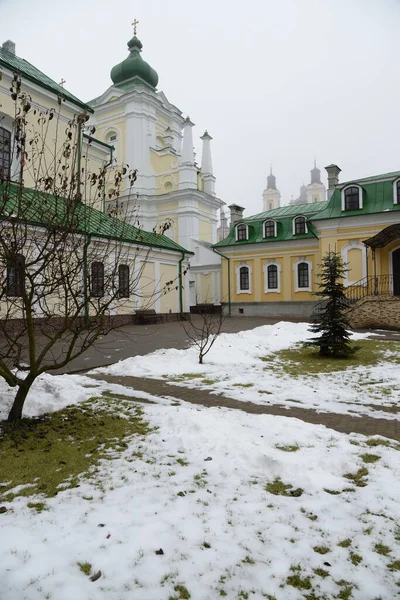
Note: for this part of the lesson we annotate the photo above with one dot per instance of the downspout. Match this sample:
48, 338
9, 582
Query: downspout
106, 166
180, 284
229, 279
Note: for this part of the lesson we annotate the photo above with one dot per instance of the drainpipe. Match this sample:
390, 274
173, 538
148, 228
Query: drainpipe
229, 279
180, 284
106, 166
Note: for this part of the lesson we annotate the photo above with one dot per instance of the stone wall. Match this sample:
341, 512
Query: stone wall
376, 312
300, 310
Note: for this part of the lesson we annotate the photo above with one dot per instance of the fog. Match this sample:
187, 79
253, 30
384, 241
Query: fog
274, 82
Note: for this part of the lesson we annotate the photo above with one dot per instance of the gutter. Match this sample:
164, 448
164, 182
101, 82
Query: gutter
180, 283
229, 279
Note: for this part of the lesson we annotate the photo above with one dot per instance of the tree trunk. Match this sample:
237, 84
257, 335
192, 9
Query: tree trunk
15, 413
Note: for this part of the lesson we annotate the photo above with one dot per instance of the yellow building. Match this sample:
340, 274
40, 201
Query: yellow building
271, 260
147, 259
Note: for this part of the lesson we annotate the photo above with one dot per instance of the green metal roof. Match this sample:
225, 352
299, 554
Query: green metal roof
289, 211
377, 198
43, 209
25, 69
284, 224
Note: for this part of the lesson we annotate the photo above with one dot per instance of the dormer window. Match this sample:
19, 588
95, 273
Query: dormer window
269, 229
299, 226
396, 191
352, 198
241, 232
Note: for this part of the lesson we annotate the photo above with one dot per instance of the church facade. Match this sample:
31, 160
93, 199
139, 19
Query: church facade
172, 192
272, 259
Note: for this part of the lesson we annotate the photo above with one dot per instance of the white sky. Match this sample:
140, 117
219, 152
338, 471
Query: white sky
273, 81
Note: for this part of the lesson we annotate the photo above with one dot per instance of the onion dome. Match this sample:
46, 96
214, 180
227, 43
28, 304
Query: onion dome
271, 181
134, 69
315, 174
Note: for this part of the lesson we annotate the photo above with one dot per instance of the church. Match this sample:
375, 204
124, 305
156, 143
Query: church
151, 134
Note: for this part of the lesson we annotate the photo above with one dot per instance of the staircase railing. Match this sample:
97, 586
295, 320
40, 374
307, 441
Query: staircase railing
380, 285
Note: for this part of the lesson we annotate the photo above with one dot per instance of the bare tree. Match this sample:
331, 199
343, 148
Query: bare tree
65, 267
203, 330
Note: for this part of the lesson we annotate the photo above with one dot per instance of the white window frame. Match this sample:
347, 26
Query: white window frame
396, 200
277, 264
294, 224
360, 195
354, 245
6, 122
115, 143
302, 259
237, 270
236, 232
275, 228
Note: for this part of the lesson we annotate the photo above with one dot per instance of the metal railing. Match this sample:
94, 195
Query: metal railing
379, 285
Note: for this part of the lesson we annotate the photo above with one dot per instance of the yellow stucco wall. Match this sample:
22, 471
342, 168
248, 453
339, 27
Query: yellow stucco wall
169, 300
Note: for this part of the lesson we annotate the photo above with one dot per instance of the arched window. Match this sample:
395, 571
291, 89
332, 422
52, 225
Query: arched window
303, 276
352, 198
15, 276
315, 199
123, 281
244, 279
300, 226
241, 232
5, 153
272, 275
97, 280
269, 229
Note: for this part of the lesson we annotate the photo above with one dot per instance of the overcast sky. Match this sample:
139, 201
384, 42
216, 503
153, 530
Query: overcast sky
273, 81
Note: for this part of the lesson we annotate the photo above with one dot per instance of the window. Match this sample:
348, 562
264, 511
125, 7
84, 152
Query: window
352, 198
272, 275
5, 153
269, 229
244, 283
303, 279
300, 226
97, 288
315, 199
15, 276
398, 191
241, 232
123, 281
270, 206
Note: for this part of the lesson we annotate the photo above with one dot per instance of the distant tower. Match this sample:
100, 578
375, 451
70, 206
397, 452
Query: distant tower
223, 229
271, 195
316, 191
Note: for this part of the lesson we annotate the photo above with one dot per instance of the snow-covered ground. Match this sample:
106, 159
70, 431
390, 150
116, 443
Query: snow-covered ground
196, 488
234, 368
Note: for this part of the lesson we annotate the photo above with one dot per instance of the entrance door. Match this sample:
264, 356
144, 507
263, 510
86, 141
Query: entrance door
396, 272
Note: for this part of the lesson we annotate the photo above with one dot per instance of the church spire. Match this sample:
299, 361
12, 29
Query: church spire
188, 169
315, 173
206, 165
271, 180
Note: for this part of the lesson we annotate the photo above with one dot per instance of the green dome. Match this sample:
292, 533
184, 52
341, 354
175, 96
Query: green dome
133, 66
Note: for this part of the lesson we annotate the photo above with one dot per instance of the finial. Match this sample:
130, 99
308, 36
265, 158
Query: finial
62, 82
135, 23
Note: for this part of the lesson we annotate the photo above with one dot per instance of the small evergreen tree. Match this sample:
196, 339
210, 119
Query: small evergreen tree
331, 323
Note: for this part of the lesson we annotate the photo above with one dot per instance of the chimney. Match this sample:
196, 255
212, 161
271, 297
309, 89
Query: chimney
333, 178
236, 213
9, 46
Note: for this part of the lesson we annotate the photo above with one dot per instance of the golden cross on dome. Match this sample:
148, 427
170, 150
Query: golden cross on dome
135, 23
62, 82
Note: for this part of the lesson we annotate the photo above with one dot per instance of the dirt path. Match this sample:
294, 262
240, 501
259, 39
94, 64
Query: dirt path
343, 423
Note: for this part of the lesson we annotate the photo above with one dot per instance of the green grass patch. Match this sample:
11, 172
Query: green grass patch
38, 506
301, 583
373, 442
288, 447
321, 573
85, 567
382, 549
394, 566
370, 458
358, 478
53, 450
182, 591
321, 549
242, 385
182, 462
209, 381
355, 558
345, 543
278, 488
299, 361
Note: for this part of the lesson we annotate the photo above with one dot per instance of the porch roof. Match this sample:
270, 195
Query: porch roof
384, 237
